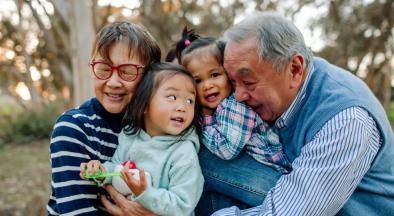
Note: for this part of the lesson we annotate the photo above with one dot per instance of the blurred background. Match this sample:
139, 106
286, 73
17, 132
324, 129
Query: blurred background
45, 48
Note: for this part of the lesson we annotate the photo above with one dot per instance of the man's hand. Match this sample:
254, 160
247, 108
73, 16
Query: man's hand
123, 205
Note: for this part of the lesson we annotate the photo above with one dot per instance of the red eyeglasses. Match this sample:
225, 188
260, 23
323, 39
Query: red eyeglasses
127, 72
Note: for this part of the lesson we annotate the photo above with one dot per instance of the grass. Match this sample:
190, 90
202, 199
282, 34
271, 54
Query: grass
25, 178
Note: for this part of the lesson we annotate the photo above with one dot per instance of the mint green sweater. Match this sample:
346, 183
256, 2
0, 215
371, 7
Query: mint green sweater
177, 181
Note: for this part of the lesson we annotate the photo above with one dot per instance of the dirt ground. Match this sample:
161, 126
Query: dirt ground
24, 178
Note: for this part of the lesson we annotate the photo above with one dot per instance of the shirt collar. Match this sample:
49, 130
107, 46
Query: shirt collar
283, 120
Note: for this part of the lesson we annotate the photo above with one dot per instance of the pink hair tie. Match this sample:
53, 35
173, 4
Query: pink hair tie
187, 42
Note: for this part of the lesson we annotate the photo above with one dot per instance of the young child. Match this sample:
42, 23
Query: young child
228, 126
160, 136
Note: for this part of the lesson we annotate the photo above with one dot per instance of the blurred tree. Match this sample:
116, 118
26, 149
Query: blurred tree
56, 36
64, 31
165, 19
77, 15
39, 59
359, 36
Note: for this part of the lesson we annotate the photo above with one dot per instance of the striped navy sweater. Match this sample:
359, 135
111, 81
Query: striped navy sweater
81, 134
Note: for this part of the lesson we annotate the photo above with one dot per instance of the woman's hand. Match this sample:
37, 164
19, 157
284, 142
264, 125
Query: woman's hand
123, 206
91, 167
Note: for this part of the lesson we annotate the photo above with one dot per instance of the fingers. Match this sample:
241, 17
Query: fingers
143, 181
123, 205
112, 209
117, 197
90, 168
93, 167
82, 170
136, 186
126, 166
129, 179
102, 168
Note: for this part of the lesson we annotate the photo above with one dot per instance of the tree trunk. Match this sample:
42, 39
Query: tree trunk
78, 15
82, 37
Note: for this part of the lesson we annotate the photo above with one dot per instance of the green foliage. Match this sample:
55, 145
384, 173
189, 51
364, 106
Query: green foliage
26, 124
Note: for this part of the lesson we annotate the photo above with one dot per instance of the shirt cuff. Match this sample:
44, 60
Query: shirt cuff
232, 211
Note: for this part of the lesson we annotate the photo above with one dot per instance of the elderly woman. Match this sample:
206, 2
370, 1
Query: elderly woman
90, 131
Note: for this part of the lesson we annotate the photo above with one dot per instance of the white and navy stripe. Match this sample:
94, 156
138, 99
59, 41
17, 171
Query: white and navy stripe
81, 134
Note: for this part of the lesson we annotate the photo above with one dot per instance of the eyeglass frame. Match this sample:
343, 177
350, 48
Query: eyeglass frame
138, 67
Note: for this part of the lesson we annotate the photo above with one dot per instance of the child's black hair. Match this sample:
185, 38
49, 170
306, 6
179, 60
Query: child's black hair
155, 74
202, 42
188, 36
170, 55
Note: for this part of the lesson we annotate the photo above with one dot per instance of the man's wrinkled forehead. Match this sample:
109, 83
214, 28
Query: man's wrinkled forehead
238, 54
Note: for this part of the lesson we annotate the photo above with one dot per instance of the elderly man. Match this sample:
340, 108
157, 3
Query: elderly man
333, 129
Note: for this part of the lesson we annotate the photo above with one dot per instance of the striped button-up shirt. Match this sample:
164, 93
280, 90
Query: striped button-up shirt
234, 126
327, 171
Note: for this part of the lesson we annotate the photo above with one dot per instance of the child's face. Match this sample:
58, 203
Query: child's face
213, 84
171, 109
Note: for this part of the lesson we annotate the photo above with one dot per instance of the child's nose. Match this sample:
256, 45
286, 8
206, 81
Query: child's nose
180, 107
207, 85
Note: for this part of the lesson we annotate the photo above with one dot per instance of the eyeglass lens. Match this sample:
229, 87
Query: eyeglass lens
126, 72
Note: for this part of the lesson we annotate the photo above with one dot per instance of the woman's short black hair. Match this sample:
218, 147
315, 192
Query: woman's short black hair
138, 39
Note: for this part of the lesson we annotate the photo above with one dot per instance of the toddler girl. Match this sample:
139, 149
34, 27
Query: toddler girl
160, 136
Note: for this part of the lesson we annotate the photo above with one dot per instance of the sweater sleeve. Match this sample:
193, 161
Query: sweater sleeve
119, 156
70, 147
229, 129
184, 189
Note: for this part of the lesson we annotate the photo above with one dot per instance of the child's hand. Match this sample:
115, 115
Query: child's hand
137, 187
91, 167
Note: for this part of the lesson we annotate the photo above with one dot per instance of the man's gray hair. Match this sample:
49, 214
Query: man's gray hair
278, 39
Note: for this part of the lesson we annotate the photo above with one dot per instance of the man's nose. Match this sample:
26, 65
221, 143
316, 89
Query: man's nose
241, 94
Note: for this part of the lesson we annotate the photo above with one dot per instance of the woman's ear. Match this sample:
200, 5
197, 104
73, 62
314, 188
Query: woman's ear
297, 71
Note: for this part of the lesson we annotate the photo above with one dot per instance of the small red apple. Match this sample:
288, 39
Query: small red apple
131, 164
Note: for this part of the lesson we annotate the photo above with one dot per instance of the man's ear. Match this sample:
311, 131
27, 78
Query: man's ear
297, 71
